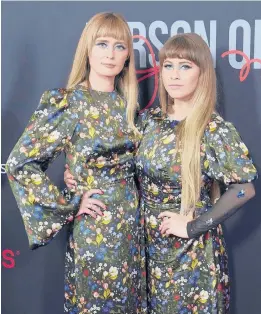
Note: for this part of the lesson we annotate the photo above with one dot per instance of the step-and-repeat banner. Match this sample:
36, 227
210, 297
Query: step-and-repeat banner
38, 45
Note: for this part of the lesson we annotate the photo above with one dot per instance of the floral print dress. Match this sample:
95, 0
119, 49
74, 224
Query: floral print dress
186, 275
102, 269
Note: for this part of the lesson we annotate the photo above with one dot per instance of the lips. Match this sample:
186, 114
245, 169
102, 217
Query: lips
175, 86
108, 65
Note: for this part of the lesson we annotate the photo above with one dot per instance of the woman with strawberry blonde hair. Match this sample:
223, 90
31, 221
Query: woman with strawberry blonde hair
186, 146
92, 121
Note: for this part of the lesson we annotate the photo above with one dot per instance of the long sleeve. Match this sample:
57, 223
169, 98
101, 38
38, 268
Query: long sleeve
43, 208
227, 161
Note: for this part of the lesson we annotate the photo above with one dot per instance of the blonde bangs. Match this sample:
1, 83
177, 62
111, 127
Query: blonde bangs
181, 47
111, 25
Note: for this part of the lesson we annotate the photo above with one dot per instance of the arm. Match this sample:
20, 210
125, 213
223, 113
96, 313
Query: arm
227, 161
235, 197
50, 129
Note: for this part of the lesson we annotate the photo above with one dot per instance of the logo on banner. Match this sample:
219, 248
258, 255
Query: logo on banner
243, 74
8, 258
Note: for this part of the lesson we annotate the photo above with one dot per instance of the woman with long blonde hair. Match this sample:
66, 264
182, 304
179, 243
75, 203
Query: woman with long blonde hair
92, 121
186, 145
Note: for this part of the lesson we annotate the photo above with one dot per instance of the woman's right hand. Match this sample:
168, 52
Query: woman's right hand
91, 206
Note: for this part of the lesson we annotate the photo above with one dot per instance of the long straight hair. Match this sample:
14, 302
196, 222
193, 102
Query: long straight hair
108, 25
190, 131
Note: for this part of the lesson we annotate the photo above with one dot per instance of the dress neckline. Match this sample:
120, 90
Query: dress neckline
172, 120
94, 91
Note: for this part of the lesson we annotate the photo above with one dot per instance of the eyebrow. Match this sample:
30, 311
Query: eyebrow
182, 62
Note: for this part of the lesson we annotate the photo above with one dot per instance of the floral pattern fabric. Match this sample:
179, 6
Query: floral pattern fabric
186, 276
103, 256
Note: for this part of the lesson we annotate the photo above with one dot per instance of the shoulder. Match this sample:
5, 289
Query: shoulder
222, 135
53, 95
151, 113
217, 126
58, 98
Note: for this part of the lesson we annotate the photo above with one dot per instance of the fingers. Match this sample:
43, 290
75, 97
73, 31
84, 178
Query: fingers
169, 231
166, 214
164, 226
68, 175
97, 203
69, 179
87, 212
91, 206
91, 192
67, 166
91, 213
90, 209
70, 183
95, 209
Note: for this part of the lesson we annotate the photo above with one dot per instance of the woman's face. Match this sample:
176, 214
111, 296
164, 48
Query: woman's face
108, 56
180, 78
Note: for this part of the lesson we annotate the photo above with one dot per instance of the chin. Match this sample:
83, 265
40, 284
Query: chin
177, 95
109, 72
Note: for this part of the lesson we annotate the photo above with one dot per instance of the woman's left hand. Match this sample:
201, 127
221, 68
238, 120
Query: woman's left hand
174, 224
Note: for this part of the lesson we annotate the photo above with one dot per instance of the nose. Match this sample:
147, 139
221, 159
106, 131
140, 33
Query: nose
110, 53
175, 74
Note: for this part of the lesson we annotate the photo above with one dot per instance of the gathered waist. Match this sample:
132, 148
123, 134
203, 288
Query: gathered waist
165, 197
106, 183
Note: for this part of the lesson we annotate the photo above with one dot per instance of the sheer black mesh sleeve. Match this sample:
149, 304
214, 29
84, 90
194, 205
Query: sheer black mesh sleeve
235, 197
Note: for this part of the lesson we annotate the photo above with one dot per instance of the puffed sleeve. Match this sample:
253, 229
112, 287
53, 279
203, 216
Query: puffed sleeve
43, 208
228, 161
227, 157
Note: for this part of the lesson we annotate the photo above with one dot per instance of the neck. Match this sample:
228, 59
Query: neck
101, 83
180, 109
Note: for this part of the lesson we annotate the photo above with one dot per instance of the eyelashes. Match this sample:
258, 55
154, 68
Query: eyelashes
167, 66
186, 66
120, 47
182, 67
104, 45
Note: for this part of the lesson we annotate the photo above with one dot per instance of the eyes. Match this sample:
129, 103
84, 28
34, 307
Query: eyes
170, 66
105, 45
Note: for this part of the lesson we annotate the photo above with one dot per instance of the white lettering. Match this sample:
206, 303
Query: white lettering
154, 39
180, 24
233, 37
139, 45
257, 44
